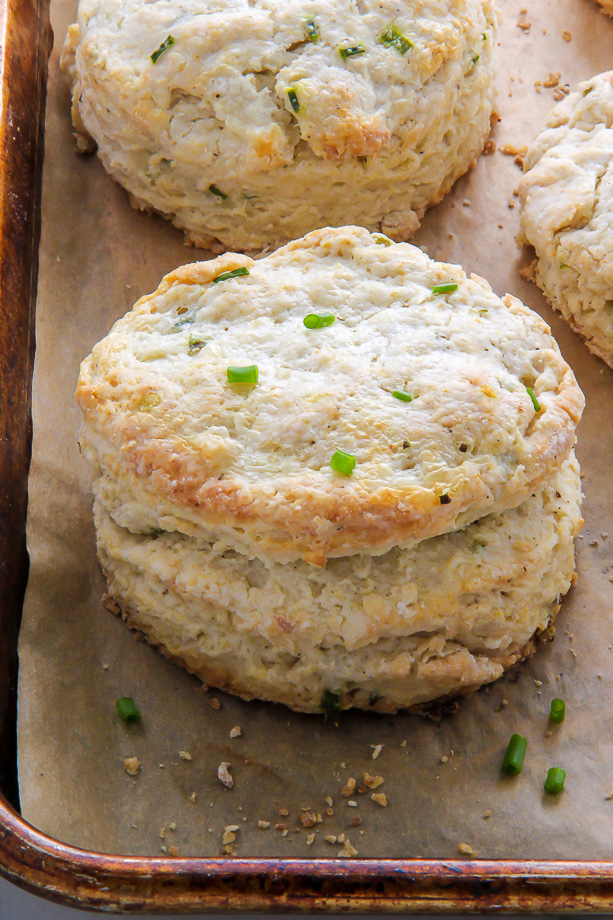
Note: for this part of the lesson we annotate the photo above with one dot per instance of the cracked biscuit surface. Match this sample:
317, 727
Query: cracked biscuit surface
375, 632
251, 123
490, 414
567, 211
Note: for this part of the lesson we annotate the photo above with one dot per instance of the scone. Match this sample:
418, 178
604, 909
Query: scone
251, 123
374, 632
422, 403
567, 211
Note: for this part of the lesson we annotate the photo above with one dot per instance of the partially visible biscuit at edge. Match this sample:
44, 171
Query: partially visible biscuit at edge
258, 122
250, 466
567, 211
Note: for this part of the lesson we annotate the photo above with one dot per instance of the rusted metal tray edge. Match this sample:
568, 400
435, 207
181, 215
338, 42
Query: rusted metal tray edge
114, 883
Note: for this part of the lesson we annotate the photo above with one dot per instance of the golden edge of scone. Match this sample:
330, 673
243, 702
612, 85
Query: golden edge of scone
224, 678
340, 521
606, 6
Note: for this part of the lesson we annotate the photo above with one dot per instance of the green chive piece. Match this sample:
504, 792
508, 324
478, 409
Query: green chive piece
194, 345
342, 462
247, 374
292, 95
405, 397
353, 51
475, 59
514, 756
392, 38
445, 498
318, 320
311, 31
235, 273
127, 709
555, 780
558, 710
214, 190
446, 288
535, 402
166, 44
381, 239
330, 704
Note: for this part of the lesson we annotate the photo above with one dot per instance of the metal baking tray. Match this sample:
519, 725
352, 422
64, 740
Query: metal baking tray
133, 884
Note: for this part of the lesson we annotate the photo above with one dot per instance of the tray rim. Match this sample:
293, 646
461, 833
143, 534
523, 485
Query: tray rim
99, 881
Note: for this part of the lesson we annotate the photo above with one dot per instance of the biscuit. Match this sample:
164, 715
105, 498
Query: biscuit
567, 211
606, 5
251, 123
374, 632
484, 413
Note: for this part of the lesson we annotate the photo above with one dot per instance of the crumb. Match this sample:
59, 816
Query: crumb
560, 92
193, 797
548, 733
173, 850
352, 804
444, 758
608, 796
467, 850
330, 838
529, 272
341, 838
403, 743
235, 732
566, 35
604, 534
229, 833
343, 766
538, 683
284, 833
490, 147
105, 667
214, 703
330, 811
372, 782
308, 818
348, 849
172, 826
594, 543
310, 839
162, 832
280, 827
355, 822
131, 765
329, 801
349, 787
380, 798
223, 774
552, 80
164, 849
377, 748
283, 812
466, 203
263, 825
185, 755
487, 814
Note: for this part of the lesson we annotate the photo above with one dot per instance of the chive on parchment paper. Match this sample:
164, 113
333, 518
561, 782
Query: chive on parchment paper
97, 257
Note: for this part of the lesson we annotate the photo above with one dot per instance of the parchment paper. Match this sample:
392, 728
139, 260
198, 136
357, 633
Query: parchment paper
76, 659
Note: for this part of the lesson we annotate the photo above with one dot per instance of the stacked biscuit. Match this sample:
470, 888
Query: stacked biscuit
341, 475
251, 122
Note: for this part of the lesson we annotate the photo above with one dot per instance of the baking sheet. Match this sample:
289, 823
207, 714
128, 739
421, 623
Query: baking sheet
442, 779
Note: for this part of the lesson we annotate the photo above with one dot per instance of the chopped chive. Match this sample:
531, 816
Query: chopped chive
292, 95
194, 345
475, 59
382, 240
514, 756
127, 709
446, 288
311, 31
483, 37
445, 498
342, 462
166, 44
405, 397
330, 704
535, 402
247, 374
318, 320
214, 190
555, 780
558, 710
392, 38
352, 51
235, 273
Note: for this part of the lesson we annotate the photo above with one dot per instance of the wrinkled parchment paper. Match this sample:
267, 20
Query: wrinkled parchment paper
442, 780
